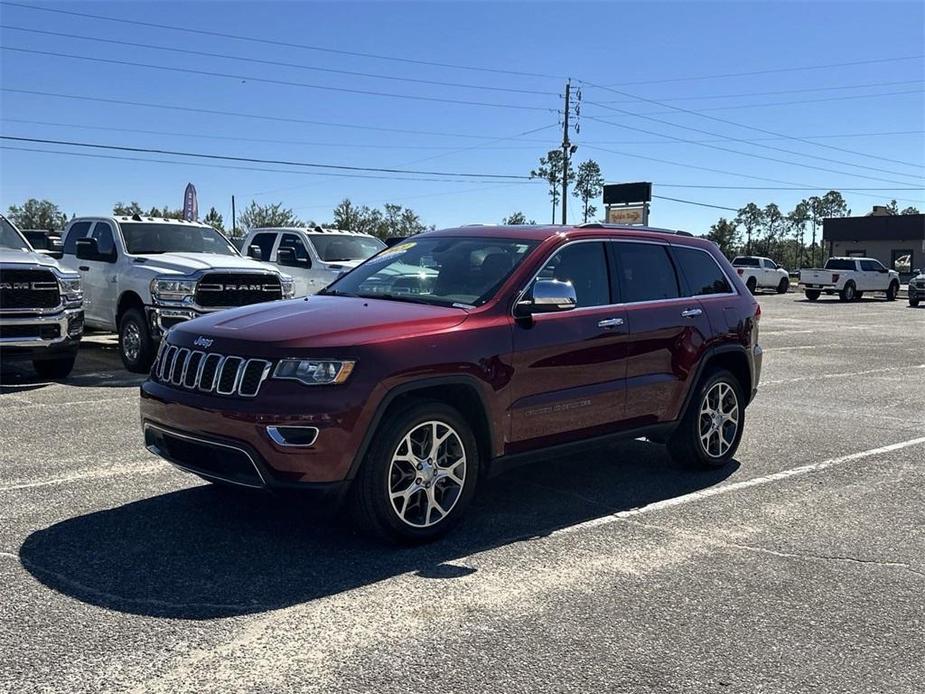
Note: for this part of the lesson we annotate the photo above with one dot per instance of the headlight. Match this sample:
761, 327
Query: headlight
314, 372
173, 290
70, 289
288, 286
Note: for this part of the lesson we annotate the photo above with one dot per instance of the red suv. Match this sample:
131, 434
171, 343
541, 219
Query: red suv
455, 353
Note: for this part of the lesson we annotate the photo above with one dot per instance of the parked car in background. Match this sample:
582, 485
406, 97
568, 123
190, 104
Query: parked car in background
143, 275
917, 287
761, 273
41, 312
44, 242
850, 278
314, 257
527, 338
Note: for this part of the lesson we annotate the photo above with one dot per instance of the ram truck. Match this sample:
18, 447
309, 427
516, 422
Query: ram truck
850, 278
459, 353
761, 273
917, 287
41, 312
141, 276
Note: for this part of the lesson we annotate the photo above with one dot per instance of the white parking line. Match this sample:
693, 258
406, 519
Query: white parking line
736, 486
142, 467
848, 374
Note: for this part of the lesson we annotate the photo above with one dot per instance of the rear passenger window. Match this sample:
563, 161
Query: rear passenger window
645, 273
265, 243
585, 266
77, 231
702, 273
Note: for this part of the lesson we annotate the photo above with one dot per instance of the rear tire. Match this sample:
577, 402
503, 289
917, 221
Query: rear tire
711, 429
54, 369
407, 490
135, 344
892, 291
751, 284
812, 294
783, 286
849, 293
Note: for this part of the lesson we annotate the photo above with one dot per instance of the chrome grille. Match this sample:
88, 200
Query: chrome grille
210, 372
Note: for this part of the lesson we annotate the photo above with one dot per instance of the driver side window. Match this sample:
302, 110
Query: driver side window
584, 265
293, 242
102, 232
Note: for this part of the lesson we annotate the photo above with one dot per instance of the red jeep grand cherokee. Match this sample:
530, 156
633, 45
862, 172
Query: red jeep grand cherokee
448, 355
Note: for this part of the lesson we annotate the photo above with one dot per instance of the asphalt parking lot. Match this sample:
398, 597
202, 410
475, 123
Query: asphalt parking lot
799, 568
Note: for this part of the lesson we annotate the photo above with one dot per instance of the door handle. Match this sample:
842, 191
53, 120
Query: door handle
610, 323
85, 268
691, 312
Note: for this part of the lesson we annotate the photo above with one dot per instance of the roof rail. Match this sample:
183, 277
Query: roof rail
604, 225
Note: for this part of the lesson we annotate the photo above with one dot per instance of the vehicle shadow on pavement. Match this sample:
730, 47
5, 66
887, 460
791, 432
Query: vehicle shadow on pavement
208, 552
98, 365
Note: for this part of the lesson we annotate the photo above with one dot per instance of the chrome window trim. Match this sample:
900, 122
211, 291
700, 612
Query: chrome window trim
170, 432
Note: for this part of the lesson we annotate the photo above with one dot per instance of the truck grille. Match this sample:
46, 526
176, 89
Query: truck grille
28, 289
228, 289
209, 372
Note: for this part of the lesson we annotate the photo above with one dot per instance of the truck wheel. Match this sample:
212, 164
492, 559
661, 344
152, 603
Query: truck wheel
135, 344
751, 284
892, 291
53, 369
858, 296
783, 286
710, 431
812, 294
849, 293
419, 475
913, 302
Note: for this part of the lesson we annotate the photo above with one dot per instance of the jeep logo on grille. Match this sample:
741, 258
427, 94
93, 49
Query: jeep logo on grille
203, 342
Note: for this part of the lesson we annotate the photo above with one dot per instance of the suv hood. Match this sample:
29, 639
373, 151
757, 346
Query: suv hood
188, 263
315, 322
12, 256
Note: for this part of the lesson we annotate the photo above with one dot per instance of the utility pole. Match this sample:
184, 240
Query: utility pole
566, 146
234, 225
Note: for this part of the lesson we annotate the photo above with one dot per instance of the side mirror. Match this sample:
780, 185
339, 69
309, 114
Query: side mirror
286, 257
549, 296
883, 269
255, 252
88, 249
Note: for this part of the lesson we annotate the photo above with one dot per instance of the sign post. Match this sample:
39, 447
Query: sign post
627, 203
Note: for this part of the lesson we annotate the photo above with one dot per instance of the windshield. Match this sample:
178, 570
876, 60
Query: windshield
742, 261
11, 238
144, 238
839, 264
441, 271
334, 247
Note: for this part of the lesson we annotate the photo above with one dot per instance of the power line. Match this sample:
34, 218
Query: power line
699, 204
286, 83
710, 187
758, 156
740, 125
238, 114
763, 139
767, 71
254, 160
276, 63
273, 42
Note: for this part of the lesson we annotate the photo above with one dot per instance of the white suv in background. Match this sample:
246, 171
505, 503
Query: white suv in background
143, 275
314, 257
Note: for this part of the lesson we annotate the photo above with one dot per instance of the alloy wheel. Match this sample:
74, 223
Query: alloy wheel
719, 419
427, 474
131, 341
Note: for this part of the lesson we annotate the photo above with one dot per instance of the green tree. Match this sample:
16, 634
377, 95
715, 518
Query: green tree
517, 218
725, 235
165, 213
796, 220
214, 220
751, 217
357, 218
773, 225
589, 182
37, 214
830, 205
121, 209
893, 207
910, 210
550, 170
256, 216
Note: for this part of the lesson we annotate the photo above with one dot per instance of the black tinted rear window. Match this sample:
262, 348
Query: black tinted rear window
839, 264
743, 261
702, 273
645, 273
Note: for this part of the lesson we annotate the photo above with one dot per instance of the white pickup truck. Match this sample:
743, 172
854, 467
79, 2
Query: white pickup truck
314, 257
850, 278
761, 273
143, 275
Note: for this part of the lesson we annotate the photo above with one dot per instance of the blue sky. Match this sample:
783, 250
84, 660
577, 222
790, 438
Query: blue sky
648, 50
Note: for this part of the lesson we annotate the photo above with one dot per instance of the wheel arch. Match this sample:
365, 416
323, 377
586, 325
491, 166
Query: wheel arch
128, 299
734, 359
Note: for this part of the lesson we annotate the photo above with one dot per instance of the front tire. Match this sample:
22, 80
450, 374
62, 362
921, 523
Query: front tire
812, 294
55, 369
849, 293
913, 302
135, 344
419, 475
892, 291
751, 284
711, 429
783, 285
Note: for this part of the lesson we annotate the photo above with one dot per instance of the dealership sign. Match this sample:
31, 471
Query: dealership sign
627, 203
628, 214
